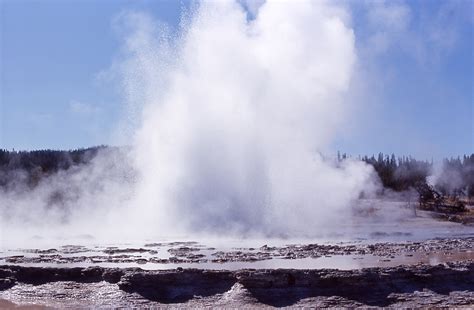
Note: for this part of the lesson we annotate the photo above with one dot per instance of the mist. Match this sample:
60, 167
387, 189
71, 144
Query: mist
230, 118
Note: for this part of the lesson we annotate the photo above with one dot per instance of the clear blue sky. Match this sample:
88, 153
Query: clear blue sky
421, 53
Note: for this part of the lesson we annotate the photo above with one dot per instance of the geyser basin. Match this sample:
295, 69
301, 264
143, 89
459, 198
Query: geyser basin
231, 126
378, 241
235, 116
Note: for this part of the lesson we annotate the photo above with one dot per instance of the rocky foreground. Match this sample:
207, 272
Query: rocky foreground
447, 285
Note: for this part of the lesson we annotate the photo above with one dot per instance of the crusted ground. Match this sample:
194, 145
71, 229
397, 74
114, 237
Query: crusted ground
444, 285
172, 253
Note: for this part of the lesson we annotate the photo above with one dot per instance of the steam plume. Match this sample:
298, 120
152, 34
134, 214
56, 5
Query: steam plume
230, 139
234, 115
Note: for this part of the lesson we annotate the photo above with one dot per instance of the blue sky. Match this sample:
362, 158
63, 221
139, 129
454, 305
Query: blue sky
417, 56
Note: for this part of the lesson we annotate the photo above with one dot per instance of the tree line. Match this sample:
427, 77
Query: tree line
29, 167
455, 176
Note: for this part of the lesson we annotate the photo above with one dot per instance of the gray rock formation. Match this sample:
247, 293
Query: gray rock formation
418, 285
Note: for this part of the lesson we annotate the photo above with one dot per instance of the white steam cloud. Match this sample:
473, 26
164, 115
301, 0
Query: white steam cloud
235, 113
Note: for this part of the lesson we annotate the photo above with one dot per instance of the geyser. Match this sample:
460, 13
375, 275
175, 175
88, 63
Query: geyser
235, 114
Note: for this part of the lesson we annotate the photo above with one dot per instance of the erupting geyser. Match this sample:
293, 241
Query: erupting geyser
235, 114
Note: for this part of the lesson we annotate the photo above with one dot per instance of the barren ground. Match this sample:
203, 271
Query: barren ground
417, 262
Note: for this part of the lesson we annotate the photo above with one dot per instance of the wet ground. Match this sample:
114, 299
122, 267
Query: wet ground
192, 254
436, 272
366, 243
416, 262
